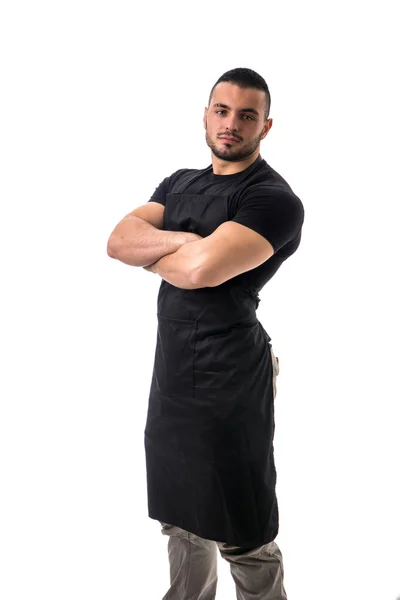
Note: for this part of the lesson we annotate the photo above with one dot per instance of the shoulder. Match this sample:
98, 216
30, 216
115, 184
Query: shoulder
181, 178
175, 178
175, 184
270, 207
272, 196
267, 185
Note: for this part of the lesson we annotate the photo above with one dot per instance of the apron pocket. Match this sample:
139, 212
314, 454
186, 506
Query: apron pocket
174, 359
228, 362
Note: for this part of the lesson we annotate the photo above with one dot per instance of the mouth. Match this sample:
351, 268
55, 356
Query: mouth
229, 140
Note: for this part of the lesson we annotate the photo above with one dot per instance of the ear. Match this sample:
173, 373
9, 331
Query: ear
205, 118
267, 127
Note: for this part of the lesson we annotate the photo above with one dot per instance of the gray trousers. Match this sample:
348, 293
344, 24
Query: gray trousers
257, 572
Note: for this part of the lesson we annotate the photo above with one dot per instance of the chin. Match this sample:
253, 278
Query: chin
226, 156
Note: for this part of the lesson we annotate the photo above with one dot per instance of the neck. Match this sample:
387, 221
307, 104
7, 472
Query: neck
225, 167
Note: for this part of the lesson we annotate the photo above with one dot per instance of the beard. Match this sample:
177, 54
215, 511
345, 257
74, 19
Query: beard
231, 153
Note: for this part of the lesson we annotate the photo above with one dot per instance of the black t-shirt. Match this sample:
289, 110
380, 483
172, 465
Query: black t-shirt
265, 203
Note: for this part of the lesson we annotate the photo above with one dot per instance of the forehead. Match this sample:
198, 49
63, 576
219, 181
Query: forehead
236, 97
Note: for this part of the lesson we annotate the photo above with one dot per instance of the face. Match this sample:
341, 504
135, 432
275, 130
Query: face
238, 113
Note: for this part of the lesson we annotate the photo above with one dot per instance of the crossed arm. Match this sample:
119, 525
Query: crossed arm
184, 259
181, 267
230, 250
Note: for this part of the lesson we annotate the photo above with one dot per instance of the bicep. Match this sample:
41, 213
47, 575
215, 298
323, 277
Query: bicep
232, 250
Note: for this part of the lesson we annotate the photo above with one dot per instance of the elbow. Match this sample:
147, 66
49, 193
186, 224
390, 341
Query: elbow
199, 279
201, 274
112, 247
208, 278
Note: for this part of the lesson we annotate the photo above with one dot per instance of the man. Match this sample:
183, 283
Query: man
216, 236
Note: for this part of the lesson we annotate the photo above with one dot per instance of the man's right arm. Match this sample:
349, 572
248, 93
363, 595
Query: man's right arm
138, 240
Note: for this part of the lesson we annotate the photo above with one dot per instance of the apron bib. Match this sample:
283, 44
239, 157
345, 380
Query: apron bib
210, 422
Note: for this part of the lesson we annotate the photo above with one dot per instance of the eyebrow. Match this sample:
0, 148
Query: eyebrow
250, 110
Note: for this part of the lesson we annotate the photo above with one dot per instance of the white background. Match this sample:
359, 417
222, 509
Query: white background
99, 102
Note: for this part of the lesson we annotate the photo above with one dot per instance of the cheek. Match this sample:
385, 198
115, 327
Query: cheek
211, 126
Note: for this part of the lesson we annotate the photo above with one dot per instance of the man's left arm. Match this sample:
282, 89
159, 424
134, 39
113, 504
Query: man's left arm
230, 251
266, 219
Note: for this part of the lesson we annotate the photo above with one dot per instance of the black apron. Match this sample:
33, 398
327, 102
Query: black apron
210, 423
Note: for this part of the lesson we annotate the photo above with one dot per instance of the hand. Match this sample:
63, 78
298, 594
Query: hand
187, 237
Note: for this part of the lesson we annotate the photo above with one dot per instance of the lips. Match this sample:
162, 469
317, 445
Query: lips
229, 139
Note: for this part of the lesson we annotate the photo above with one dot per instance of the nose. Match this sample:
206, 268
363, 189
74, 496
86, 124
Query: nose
232, 123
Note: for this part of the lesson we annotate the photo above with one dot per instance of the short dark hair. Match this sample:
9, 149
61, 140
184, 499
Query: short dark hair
246, 78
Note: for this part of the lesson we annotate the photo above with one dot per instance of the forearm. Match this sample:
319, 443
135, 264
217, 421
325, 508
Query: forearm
137, 243
181, 268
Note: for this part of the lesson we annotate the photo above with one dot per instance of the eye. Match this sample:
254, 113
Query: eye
246, 117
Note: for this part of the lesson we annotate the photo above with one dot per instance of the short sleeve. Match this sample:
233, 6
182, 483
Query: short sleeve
161, 191
272, 211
